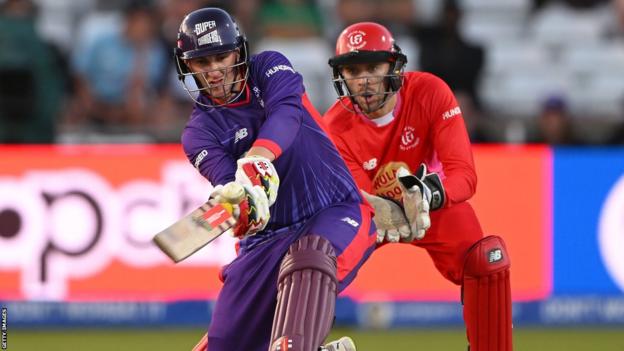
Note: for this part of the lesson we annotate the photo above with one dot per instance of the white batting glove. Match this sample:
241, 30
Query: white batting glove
416, 201
257, 171
389, 219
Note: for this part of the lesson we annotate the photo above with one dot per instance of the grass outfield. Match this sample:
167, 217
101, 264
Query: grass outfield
395, 340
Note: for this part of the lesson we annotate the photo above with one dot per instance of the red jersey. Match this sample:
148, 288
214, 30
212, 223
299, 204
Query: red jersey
427, 128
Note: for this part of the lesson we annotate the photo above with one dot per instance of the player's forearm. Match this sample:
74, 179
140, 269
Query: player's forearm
278, 132
455, 155
459, 184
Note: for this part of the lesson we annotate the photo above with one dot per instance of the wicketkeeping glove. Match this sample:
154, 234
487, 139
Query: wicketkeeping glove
389, 219
421, 192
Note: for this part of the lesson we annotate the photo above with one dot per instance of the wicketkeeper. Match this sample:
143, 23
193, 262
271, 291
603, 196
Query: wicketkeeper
403, 137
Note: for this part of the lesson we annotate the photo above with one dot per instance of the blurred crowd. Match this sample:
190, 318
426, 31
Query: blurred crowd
524, 71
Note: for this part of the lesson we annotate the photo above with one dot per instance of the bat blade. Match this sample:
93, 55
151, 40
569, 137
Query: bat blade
195, 230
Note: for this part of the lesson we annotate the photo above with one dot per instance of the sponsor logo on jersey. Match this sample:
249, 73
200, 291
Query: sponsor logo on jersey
495, 255
350, 221
408, 139
385, 182
370, 164
200, 158
278, 68
240, 134
451, 113
204, 26
356, 40
209, 38
611, 232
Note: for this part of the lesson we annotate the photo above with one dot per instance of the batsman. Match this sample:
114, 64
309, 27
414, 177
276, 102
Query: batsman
305, 229
403, 137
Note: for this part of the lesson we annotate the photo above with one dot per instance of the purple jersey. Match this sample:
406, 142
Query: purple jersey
275, 113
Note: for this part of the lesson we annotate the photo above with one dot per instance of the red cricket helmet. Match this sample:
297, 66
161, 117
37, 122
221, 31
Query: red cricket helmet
367, 42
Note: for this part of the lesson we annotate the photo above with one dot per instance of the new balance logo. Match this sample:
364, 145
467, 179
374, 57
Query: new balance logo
240, 134
370, 164
495, 255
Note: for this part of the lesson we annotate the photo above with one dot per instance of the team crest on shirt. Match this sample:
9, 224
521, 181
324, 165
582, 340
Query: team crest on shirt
408, 138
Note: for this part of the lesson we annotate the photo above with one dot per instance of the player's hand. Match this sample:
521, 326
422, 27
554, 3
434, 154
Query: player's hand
389, 219
257, 171
251, 208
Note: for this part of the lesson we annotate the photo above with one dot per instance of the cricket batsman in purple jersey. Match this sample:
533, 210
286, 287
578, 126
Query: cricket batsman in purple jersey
304, 228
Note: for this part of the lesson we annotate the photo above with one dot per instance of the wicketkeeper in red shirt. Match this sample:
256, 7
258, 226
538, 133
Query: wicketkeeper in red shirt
403, 137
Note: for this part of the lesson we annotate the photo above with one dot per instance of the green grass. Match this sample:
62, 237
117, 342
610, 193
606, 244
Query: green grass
603, 339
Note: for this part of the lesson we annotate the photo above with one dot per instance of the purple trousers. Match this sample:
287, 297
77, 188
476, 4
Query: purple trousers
243, 313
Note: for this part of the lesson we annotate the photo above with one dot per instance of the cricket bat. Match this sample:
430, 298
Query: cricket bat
200, 227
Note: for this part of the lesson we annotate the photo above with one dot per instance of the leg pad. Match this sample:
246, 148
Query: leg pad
306, 296
486, 295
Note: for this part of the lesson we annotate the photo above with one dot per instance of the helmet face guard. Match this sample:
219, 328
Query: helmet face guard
208, 32
391, 82
368, 42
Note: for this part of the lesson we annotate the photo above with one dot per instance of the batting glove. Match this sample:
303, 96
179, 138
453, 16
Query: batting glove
257, 171
389, 219
252, 211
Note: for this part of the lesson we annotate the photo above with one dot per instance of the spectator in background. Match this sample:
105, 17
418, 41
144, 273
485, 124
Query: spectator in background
397, 15
553, 124
618, 136
290, 19
120, 73
473, 118
175, 104
447, 55
31, 83
614, 26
